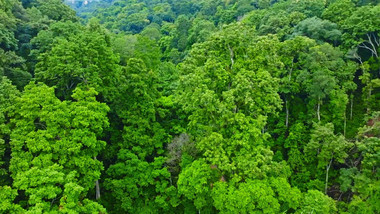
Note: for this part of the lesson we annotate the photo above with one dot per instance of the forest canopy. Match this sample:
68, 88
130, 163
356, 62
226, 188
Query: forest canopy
190, 106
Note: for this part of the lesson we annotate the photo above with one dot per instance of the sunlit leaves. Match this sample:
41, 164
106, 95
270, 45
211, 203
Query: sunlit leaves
54, 143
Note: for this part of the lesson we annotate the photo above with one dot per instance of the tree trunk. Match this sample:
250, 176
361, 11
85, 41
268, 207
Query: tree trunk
287, 114
368, 99
232, 55
352, 105
290, 72
327, 175
345, 124
318, 109
97, 188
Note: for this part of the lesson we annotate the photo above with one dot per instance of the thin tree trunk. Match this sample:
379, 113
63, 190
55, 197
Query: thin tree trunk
97, 188
327, 175
345, 124
287, 114
368, 99
263, 131
318, 109
232, 55
352, 105
340, 196
290, 72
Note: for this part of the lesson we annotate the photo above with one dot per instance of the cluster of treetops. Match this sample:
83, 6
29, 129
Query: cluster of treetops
190, 106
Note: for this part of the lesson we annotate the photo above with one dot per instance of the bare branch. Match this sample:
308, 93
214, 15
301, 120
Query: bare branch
356, 55
375, 40
368, 48
373, 46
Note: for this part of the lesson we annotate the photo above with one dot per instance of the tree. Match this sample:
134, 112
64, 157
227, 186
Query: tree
140, 186
85, 58
7, 195
339, 11
138, 173
56, 10
318, 29
243, 7
195, 183
8, 25
326, 147
34, 21
139, 47
152, 32
324, 71
363, 40
261, 196
309, 7
53, 146
316, 202
364, 182
13, 67
278, 22
132, 17
164, 12
200, 31
183, 25
47, 38
291, 53
296, 140
227, 90
257, 195
8, 95
219, 92
363, 35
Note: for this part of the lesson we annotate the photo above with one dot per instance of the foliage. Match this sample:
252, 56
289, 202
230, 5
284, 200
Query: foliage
85, 58
53, 144
189, 106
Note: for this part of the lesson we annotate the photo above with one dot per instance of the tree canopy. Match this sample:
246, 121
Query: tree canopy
189, 106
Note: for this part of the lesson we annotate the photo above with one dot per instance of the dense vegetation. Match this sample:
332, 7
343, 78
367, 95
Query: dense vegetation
190, 106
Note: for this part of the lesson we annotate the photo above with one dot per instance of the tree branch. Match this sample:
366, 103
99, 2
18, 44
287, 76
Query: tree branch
376, 41
371, 43
232, 55
368, 48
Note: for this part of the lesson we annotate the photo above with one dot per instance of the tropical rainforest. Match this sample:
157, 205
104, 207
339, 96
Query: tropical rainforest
190, 106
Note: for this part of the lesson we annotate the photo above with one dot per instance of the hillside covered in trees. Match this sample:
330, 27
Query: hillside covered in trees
190, 106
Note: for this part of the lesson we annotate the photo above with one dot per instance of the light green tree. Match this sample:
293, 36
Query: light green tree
316, 202
8, 95
326, 147
54, 146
